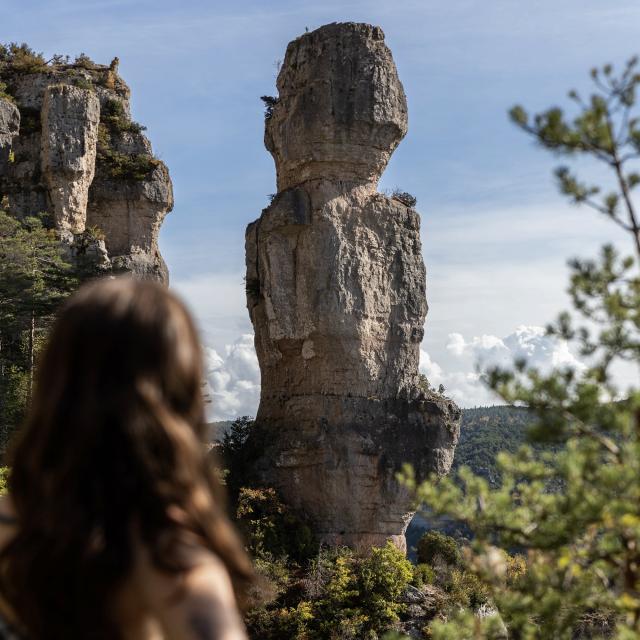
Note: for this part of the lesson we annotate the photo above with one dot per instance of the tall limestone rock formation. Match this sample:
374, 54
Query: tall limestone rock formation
68, 148
336, 293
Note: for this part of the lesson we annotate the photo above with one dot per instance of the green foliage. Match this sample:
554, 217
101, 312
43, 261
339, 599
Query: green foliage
605, 129
269, 105
487, 431
123, 166
83, 83
35, 277
423, 574
435, 545
341, 595
117, 165
404, 197
4, 92
234, 455
115, 118
21, 58
574, 508
84, 62
270, 528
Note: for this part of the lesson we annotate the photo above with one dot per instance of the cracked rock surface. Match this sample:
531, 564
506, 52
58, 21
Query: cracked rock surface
336, 294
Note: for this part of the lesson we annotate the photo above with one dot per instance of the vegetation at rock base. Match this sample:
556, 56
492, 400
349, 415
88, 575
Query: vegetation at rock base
574, 512
309, 592
35, 276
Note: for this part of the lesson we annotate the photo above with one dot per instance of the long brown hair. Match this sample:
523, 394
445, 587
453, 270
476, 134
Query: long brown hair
113, 443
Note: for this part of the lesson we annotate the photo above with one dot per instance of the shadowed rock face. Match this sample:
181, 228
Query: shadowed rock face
78, 156
336, 294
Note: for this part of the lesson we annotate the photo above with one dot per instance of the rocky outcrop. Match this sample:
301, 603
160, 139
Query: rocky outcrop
336, 293
9, 126
81, 159
70, 118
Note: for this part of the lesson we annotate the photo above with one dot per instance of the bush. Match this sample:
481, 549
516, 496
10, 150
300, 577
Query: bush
466, 589
434, 545
269, 105
383, 577
85, 62
404, 197
341, 595
272, 529
117, 165
122, 166
21, 58
423, 574
83, 83
115, 118
4, 92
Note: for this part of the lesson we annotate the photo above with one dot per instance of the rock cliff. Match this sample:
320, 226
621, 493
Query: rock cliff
336, 294
68, 148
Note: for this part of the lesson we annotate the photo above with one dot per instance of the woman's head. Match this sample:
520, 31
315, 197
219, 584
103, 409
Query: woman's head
113, 444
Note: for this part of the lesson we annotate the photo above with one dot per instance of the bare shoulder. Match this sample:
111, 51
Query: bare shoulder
198, 604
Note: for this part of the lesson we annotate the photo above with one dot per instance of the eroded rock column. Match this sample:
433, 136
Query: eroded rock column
70, 118
336, 293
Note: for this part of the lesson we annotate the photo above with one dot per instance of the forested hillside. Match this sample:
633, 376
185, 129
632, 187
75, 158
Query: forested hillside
484, 432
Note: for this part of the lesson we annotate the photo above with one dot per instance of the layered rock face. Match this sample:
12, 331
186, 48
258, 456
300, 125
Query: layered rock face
79, 157
336, 293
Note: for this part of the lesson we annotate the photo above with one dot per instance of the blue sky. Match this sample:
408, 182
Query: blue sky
496, 235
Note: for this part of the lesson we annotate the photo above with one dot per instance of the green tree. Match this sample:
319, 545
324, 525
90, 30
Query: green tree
434, 545
573, 512
35, 276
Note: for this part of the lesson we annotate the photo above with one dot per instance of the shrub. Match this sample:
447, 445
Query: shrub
122, 166
342, 594
84, 61
383, 577
435, 544
466, 589
423, 574
516, 568
4, 92
114, 116
82, 83
270, 103
271, 529
21, 58
404, 197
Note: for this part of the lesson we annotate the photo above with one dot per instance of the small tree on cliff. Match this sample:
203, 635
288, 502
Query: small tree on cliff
575, 514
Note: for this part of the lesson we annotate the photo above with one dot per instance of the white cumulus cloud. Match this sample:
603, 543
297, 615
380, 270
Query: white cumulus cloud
233, 375
233, 380
461, 377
